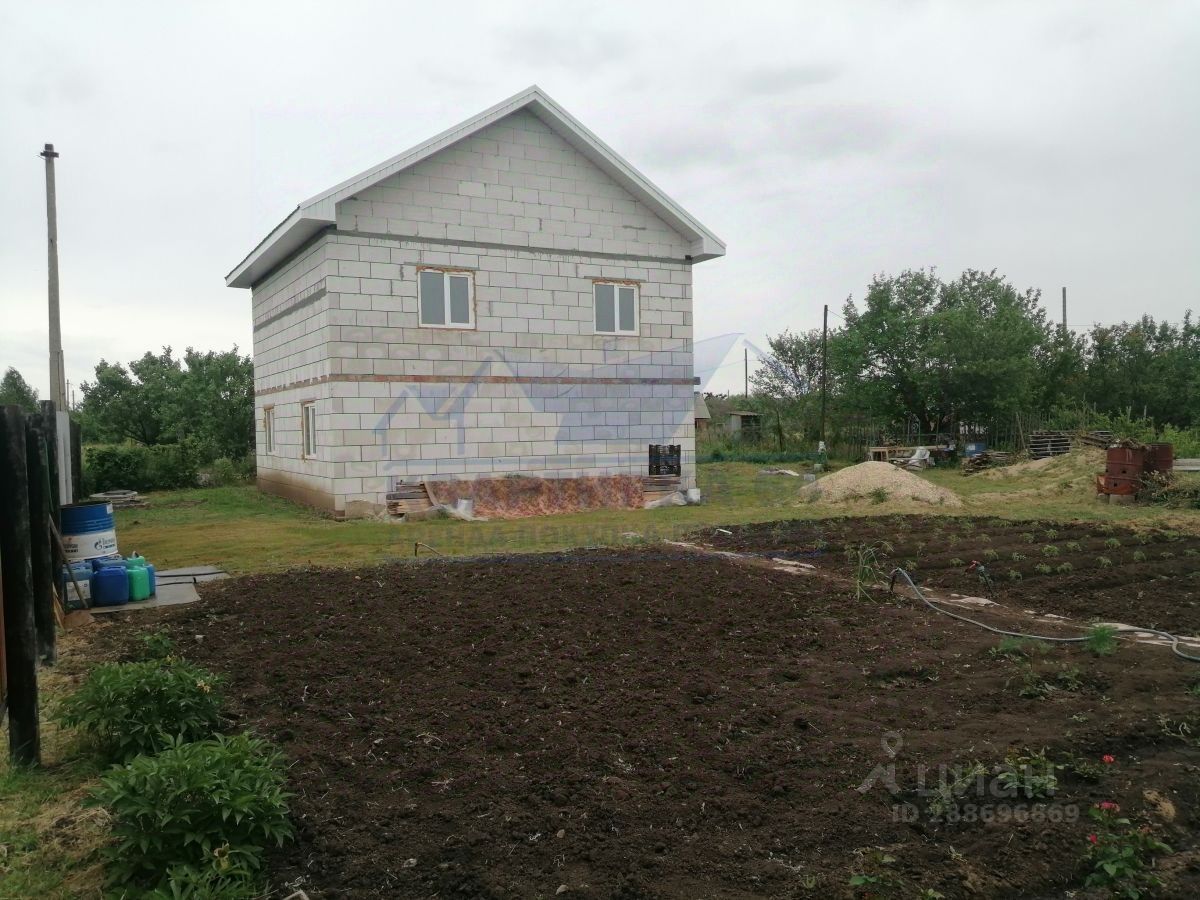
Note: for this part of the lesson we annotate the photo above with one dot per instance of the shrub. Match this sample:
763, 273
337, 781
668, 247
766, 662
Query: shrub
214, 805
132, 708
140, 468
191, 883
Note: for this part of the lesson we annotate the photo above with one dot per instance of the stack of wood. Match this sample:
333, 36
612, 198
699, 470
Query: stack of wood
986, 460
1101, 439
407, 498
1048, 443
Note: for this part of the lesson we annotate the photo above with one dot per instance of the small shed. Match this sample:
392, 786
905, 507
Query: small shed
702, 416
744, 420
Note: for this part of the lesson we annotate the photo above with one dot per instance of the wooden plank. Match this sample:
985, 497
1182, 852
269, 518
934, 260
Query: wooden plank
20, 632
41, 556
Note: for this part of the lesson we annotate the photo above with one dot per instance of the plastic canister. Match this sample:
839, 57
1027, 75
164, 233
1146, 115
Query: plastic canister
136, 561
110, 586
139, 583
151, 573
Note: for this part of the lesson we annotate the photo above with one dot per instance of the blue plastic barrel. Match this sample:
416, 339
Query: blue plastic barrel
110, 586
150, 572
88, 530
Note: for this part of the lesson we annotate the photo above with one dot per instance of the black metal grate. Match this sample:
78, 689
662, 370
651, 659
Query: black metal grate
665, 459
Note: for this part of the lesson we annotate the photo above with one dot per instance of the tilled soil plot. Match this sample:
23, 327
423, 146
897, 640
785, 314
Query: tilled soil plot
645, 724
1149, 578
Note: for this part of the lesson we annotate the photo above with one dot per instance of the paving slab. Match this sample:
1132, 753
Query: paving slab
173, 587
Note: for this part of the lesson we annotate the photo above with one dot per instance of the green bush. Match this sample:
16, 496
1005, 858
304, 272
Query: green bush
138, 707
191, 883
213, 805
136, 468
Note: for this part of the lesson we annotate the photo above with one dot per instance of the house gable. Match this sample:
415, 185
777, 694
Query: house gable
320, 212
517, 183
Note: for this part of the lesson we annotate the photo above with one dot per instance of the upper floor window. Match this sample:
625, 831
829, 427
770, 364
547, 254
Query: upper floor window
446, 299
616, 308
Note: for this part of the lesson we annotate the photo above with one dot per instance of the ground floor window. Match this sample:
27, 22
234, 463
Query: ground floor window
269, 429
308, 428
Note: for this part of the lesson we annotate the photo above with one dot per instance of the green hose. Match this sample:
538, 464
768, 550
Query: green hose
1175, 641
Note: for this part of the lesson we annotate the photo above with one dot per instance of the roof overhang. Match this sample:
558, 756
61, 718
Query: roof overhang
320, 212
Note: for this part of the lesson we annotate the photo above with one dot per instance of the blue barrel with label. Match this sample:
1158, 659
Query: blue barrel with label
88, 530
110, 586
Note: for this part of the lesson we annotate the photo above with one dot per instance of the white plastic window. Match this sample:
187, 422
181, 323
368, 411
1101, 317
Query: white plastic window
445, 299
616, 308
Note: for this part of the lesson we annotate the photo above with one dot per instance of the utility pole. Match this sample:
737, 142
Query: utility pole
1064, 325
824, 367
58, 378
746, 368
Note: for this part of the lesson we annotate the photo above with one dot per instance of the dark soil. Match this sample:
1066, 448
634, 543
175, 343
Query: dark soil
647, 725
1146, 578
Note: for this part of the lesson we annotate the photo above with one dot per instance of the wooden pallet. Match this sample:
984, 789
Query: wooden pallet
407, 498
655, 487
1048, 443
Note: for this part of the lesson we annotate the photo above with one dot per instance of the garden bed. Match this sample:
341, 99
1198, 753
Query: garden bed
1148, 577
653, 724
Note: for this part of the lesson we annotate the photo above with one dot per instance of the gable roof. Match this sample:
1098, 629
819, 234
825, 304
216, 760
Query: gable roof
319, 212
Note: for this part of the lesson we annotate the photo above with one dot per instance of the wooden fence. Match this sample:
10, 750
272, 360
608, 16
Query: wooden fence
30, 557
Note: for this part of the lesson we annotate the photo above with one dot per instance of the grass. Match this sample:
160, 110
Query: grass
241, 530
49, 841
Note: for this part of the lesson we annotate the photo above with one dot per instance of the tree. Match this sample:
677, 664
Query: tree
15, 390
940, 352
205, 398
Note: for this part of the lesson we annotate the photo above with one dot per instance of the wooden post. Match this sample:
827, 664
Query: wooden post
50, 430
824, 368
20, 633
76, 464
41, 556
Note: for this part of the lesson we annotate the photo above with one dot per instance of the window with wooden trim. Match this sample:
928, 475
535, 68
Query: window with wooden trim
308, 429
269, 429
616, 307
445, 299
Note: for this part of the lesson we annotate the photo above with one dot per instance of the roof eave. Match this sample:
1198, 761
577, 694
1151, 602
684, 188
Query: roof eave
284, 240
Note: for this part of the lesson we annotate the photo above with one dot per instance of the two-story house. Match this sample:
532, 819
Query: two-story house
510, 296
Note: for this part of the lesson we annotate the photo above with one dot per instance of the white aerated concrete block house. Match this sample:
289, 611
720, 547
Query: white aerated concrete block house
510, 296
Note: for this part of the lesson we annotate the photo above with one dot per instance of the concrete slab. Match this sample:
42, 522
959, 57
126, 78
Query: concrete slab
173, 587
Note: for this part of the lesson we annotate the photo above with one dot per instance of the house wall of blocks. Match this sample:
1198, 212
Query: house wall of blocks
531, 388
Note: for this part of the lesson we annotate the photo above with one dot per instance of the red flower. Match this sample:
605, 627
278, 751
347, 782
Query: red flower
1093, 839
1108, 759
1108, 806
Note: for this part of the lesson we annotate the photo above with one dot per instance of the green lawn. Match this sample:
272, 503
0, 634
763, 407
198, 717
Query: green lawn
242, 530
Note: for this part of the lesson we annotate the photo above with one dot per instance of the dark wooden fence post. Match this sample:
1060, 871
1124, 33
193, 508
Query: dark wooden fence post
20, 633
50, 430
40, 555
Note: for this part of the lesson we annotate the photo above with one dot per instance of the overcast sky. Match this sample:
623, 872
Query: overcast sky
1057, 142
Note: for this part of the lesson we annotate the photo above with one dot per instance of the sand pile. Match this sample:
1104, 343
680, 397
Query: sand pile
872, 480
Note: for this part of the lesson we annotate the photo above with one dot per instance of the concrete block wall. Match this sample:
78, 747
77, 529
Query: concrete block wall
291, 359
515, 183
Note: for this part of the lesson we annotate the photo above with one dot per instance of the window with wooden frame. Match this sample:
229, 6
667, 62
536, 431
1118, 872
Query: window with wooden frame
308, 429
269, 429
616, 307
445, 298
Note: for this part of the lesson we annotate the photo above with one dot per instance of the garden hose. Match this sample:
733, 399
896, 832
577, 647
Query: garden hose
897, 572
